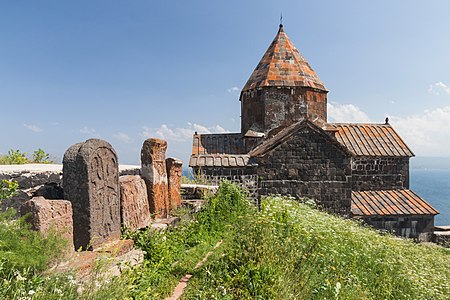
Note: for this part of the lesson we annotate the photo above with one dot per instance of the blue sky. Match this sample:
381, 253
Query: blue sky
127, 70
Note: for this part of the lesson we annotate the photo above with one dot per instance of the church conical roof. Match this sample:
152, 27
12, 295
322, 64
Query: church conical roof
282, 65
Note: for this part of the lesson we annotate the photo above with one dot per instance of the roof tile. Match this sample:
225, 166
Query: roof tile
283, 65
389, 203
219, 160
371, 140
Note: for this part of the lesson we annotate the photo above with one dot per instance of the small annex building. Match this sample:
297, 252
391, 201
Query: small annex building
286, 146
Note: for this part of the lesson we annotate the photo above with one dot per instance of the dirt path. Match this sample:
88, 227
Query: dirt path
182, 284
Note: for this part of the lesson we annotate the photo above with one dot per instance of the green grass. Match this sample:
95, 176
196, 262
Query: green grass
24, 255
172, 254
287, 250
292, 251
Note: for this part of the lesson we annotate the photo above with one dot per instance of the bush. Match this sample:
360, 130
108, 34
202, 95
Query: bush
8, 188
15, 157
41, 157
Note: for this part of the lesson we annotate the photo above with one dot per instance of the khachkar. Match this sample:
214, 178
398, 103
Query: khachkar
91, 183
174, 172
153, 171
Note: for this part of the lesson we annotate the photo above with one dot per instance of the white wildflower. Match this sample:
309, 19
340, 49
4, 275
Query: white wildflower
337, 288
20, 277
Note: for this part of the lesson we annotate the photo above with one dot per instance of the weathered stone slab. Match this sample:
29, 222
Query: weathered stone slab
134, 206
50, 216
153, 170
91, 183
174, 171
198, 191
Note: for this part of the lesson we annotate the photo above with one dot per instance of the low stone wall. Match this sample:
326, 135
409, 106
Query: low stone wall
43, 180
417, 227
245, 177
441, 236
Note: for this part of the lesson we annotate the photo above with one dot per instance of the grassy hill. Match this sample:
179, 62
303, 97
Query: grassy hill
290, 250
286, 250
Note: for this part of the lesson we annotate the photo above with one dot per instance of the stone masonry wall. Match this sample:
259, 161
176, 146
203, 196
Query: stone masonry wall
307, 165
245, 177
271, 107
416, 227
380, 173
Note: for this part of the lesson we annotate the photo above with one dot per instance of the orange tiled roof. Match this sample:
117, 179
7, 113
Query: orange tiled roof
371, 140
283, 65
219, 160
391, 202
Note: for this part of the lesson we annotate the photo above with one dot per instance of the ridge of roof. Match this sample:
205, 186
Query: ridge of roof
283, 65
360, 124
281, 136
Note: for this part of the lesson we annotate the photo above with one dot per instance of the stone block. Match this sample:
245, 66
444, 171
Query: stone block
91, 183
174, 172
50, 217
153, 171
134, 206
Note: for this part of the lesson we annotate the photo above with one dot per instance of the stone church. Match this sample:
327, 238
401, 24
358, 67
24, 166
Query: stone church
286, 146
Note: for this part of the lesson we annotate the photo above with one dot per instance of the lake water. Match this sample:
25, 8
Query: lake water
433, 185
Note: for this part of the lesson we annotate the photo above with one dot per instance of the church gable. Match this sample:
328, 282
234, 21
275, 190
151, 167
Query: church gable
305, 162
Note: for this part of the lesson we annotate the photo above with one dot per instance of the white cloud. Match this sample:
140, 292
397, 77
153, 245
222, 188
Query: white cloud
233, 90
33, 128
123, 137
89, 131
427, 134
180, 134
349, 113
439, 88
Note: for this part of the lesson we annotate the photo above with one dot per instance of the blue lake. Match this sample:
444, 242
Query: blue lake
434, 186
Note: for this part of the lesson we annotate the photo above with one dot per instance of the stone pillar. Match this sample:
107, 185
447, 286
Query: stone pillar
50, 216
153, 170
91, 183
134, 206
174, 172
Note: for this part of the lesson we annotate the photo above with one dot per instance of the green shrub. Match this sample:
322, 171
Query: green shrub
15, 157
41, 157
8, 188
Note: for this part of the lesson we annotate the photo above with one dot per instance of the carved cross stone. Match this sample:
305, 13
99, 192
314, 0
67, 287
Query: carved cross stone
174, 172
153, 171
91, 183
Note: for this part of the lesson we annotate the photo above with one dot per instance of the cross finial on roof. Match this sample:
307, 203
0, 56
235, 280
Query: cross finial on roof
281, 20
